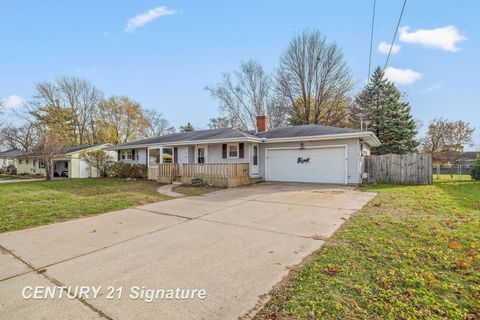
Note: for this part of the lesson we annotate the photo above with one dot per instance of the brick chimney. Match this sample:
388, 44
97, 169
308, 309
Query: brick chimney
262, 123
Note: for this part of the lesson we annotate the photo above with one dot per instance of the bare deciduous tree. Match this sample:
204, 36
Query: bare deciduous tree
245, 97
314, 79
445, 138
157, 125
23, 137
80, 97
99, 159
49, 145
220, 122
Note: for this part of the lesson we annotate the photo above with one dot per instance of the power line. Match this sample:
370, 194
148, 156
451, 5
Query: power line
395, 34
371, 39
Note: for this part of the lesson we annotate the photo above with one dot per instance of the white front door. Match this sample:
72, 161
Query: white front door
254, 160
84, 169
201, 154
316, 164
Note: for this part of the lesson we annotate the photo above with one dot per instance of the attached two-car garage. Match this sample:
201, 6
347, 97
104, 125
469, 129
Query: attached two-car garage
325, 164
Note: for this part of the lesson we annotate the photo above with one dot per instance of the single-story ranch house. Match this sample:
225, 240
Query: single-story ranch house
67, 163
306, 153
9, 157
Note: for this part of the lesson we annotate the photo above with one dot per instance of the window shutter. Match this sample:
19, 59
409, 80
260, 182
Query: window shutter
119, 155
224, 151
241, 152
133, 154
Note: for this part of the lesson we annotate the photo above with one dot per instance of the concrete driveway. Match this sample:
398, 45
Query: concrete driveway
234, 244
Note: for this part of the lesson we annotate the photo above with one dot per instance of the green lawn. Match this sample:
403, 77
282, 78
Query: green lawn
28, 204
412, 253
451, 178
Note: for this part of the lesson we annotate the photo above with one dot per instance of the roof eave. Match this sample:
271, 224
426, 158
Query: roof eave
373, 140
185, 143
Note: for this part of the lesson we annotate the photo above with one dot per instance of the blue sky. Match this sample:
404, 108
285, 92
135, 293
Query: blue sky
166, 62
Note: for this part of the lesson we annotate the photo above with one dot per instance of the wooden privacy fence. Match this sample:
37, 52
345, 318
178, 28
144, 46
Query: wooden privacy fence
413, 168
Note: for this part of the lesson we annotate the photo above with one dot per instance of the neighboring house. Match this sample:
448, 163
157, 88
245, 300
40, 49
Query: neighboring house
67, 163
467, 159
8, 157
308, 153
449, 159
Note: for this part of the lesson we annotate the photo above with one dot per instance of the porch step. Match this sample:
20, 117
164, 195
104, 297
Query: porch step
256, 180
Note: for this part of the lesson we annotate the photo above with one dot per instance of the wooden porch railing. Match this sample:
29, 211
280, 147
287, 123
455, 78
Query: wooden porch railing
216, 170
168, 170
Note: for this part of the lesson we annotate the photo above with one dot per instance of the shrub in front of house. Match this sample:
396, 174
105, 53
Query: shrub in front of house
11, 169
475, 170
127, 170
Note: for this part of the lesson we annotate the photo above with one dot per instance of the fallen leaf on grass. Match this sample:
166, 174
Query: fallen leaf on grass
454, 245
331, 270
391, 272
462, 265
429, 277
470, 257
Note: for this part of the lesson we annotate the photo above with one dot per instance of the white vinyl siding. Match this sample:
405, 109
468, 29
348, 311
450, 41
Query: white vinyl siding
215, 154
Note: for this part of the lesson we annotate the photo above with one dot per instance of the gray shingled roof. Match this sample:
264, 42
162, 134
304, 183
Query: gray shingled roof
303, 131
63, 151
201, 135
12, 153
232, 133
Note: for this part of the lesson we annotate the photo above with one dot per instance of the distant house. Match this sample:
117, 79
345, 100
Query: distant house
67, 163
8, 157
466, 159
307, 153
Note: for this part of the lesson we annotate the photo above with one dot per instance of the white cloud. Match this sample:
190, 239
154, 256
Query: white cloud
384, 48
445, 38
402, 76
148, 16
13, 102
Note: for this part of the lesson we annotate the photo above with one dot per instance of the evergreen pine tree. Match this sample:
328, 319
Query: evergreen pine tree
388, 115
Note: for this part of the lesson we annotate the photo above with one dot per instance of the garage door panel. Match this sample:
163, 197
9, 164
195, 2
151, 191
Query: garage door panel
322, 165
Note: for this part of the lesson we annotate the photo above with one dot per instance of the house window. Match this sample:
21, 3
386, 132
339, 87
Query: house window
41, 164
153, 157
201, 155
20, 161
233, 150
127, 155
26, 161
167, 155
255, 155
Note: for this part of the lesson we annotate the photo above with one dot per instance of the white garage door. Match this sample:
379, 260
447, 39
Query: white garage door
321, 165
84, 169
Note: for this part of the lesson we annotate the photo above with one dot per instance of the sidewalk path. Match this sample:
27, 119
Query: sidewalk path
167, 191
